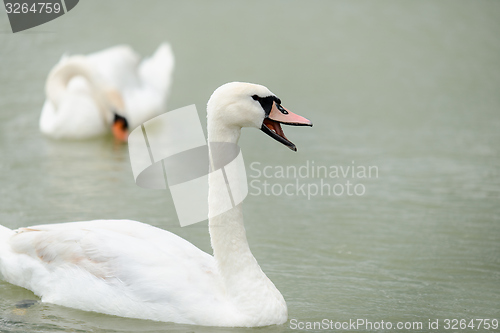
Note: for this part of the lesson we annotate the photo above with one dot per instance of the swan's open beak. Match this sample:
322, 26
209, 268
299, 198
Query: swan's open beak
120, 128
279, 115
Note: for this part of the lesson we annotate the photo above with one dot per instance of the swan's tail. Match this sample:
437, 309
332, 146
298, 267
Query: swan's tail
156, 71
5, 234
4, 231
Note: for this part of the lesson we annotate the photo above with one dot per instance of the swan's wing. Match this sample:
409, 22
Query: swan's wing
87, 264
116, 66
155, 76
156, 71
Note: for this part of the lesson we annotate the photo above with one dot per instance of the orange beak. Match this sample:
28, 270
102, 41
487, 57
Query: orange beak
279, 115
120, 128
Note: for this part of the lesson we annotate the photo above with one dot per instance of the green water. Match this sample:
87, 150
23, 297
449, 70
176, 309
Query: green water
411, 88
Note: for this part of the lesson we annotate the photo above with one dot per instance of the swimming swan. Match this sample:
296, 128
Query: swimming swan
130, 269
110, 90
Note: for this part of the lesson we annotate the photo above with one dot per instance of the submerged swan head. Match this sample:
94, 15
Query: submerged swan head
239, 104
73, 80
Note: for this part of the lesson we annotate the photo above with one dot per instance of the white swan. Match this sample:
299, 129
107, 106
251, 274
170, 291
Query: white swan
110, 90
131, 269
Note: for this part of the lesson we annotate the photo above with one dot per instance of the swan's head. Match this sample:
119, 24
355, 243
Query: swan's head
74, 77
120, 128
119, 123
240, 104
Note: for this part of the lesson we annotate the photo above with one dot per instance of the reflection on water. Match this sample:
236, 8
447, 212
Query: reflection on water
409, 87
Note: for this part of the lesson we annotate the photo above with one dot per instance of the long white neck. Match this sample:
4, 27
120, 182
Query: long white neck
56, 86
254, 294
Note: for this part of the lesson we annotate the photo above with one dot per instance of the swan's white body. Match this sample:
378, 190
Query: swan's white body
83, 92
124, 268
131, 269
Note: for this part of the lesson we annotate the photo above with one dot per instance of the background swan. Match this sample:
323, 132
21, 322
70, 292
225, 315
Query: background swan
131, 269
111, 90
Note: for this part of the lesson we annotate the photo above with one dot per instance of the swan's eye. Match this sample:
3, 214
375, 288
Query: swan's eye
255, 97
282, 110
